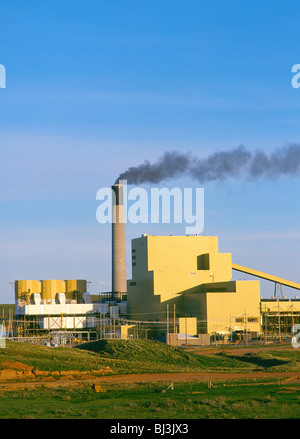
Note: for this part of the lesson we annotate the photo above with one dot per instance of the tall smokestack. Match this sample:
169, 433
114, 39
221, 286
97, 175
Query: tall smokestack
119, 283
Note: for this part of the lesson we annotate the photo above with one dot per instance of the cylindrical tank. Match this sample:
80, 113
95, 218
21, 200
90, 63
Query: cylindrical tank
75, 288
49, 288
118, 241
24, 288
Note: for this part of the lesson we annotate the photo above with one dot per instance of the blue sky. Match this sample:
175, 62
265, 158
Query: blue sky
94, 87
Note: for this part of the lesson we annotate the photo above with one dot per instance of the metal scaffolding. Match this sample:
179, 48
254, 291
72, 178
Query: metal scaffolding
277, 322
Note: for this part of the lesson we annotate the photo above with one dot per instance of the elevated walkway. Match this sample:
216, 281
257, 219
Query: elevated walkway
266, 276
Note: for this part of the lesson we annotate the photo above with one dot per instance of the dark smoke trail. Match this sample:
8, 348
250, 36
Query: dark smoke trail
221, 165
283, 161
235, 163
170, 165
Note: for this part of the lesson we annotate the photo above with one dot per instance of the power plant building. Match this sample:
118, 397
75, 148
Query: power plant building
190, 273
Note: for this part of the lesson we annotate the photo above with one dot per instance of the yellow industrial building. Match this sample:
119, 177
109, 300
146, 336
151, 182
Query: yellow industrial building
190, 273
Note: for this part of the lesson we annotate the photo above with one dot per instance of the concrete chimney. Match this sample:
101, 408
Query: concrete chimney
119, 278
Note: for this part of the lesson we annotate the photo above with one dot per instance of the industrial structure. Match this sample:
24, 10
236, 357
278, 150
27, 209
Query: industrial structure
181, 289
49, 305
119, 278
190, 273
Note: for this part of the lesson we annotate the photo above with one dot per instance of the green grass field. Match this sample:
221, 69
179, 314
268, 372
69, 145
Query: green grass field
243, 398
237, 400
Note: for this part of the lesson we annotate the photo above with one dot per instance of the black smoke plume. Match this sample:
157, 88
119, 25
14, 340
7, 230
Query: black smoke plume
219, 166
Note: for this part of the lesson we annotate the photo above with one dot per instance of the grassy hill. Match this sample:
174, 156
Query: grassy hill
153, 356
135, 356
122, 356
50, 358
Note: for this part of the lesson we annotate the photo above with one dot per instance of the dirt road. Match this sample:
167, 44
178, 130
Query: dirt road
292, 377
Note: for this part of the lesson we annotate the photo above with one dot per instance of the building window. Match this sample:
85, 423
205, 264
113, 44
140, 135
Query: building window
252, 319
239, 320
132, 284
133, 264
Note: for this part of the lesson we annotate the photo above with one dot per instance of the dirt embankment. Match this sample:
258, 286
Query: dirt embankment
16, 371
15, 375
